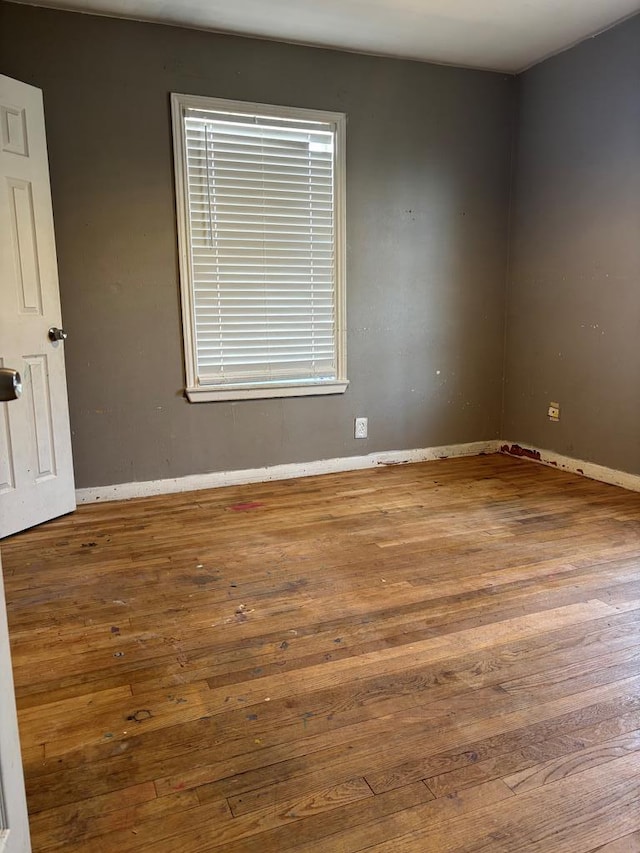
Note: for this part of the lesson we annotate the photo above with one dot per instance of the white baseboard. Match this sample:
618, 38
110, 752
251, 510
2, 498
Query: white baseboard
216, 479
576, 466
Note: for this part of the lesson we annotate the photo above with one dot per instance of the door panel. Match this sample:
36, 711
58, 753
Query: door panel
38, 389
23, 234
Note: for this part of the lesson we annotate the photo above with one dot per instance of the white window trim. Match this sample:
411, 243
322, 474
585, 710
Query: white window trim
197, 391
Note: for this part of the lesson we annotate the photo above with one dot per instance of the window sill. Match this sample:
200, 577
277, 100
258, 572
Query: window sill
209, 394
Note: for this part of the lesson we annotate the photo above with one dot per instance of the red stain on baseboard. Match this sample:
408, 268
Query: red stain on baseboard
516, 450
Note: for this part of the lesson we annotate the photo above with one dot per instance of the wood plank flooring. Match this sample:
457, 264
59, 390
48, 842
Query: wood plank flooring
433, 657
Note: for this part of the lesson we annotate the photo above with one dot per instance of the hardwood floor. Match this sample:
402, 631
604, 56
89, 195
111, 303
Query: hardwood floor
434, 657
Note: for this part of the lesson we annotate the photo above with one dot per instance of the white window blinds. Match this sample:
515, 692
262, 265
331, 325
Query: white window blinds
261, 206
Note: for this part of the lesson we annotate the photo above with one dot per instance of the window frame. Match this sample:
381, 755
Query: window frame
201, 391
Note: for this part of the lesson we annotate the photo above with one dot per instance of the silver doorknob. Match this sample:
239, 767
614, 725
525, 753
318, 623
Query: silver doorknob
10, 384
57, 334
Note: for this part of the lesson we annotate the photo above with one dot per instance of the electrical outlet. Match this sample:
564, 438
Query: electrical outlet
361, 428
554, 412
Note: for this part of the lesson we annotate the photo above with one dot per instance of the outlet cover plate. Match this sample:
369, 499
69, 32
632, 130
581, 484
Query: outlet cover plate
361, 428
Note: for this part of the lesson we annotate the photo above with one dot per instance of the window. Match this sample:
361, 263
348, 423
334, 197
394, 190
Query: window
260, 199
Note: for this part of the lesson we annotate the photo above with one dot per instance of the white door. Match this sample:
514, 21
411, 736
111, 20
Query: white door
36, 469
14, 825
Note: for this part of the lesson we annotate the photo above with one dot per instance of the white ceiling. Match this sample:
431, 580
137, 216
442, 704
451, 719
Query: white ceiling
504, 35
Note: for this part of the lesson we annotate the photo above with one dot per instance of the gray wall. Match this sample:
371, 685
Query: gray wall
574, 297
427, 195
